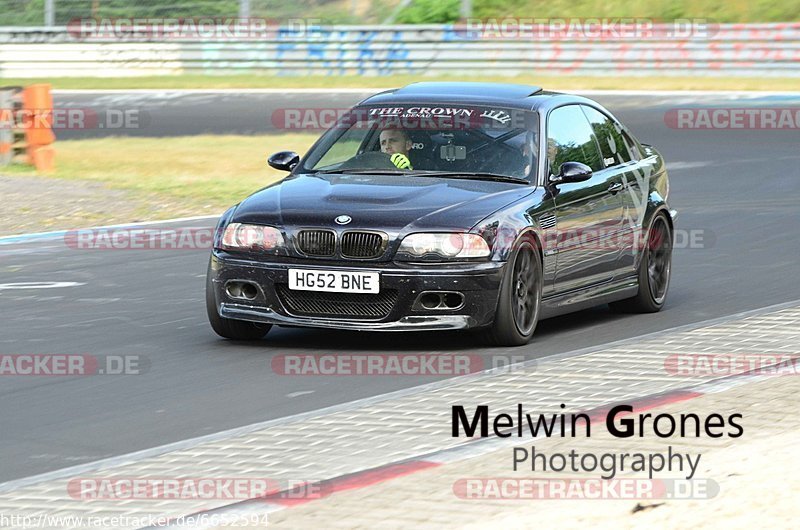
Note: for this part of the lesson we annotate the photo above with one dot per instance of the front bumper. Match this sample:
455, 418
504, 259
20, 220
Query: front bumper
478, 282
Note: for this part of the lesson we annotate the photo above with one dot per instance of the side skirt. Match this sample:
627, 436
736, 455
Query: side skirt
585, 298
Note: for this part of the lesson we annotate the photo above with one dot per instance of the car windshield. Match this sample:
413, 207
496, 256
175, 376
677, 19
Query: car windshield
434, 139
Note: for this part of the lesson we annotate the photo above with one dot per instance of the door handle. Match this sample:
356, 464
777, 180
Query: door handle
615, 188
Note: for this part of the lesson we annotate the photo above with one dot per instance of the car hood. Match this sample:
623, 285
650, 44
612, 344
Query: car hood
392, 203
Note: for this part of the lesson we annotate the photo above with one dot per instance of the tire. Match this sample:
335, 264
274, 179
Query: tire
520, 300
655, 269
229, 328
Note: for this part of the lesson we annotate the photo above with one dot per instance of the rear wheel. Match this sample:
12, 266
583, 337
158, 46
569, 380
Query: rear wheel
655, 269
520, 300
229, 328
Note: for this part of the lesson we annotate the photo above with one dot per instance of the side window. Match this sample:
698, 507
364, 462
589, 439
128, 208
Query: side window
609, 134
570, 139
633, 147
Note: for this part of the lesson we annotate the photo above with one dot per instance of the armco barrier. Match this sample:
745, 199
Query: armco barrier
11, 135
762, 50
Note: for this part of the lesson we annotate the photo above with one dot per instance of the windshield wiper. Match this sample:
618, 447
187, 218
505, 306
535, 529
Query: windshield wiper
478, 175
361, 172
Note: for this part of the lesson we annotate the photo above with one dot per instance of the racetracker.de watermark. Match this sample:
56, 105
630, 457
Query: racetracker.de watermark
508, 488
74, 118
716, 365
200, 29
607, 238
734, 118
395, 364
194, 488
585, 29
190, 238
54, 364
193, 238
409, 118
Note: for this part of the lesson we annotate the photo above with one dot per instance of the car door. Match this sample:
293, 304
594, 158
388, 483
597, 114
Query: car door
621, 157
588, 214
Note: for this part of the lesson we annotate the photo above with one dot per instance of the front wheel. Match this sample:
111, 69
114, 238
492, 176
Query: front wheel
655, 269
520, 300
229, 328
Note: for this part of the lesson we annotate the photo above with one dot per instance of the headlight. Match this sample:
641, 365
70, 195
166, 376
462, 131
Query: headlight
239, 236
448, 246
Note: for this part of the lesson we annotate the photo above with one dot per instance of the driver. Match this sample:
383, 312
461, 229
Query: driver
396, 143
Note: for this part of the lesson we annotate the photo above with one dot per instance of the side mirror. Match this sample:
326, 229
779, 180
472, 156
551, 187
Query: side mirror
284, 160
571, 172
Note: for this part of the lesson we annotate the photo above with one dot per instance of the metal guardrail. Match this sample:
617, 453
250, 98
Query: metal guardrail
7, 132
762, 50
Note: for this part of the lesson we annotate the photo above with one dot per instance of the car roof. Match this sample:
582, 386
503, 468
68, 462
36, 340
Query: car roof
508, 94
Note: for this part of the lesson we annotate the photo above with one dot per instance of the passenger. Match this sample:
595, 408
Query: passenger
519, 161
528, 154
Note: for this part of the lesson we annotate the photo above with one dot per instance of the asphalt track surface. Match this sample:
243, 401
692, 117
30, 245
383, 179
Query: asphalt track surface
740, 189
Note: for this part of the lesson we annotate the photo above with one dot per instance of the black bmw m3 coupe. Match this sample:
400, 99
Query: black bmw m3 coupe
449, 206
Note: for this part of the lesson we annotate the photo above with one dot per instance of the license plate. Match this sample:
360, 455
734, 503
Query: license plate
334, 281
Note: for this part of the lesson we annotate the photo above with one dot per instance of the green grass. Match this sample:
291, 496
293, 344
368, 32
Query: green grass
30, 12
715, 10
549, 82
205, 173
